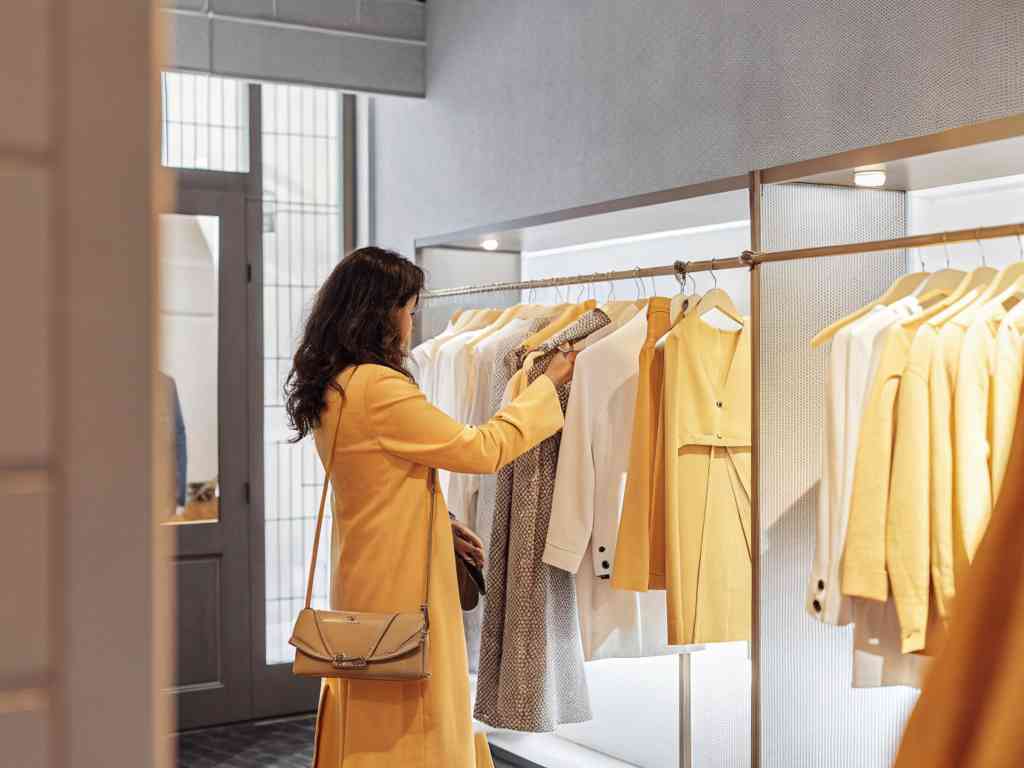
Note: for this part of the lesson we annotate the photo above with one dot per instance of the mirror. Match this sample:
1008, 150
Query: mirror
187, 364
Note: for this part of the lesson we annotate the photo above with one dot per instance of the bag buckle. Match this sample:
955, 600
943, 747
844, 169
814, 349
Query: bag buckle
355, 662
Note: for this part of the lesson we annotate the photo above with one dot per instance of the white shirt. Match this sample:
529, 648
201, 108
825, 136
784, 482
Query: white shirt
463, 490
592, 463
423, 357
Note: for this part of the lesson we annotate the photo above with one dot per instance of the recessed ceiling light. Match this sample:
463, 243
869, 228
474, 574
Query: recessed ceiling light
869, 177
490, 244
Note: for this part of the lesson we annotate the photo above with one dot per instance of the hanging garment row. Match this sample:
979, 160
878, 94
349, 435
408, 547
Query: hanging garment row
922, 387
647, 488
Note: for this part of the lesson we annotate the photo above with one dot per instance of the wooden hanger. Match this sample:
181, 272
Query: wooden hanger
903, 287
979, 281
718, 299
999, 289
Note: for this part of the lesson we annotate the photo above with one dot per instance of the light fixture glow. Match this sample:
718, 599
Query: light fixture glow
490, 244
869, 177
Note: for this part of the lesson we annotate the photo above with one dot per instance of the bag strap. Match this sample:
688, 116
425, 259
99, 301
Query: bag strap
431, 488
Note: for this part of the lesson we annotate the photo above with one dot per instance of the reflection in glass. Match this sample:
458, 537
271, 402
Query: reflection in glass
189, 258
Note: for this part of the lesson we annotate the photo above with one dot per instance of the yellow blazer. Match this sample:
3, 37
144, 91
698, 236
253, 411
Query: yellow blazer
864, 566
907, 530
390, 436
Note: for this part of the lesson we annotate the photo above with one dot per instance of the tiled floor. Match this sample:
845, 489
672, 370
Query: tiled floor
273, 744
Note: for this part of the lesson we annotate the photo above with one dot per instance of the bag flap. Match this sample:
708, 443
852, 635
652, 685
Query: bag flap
327, 635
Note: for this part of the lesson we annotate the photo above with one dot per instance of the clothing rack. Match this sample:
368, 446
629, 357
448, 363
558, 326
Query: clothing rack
679, 268
747, 259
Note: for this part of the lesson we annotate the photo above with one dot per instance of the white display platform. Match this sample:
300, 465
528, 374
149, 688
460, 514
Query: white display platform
636, 720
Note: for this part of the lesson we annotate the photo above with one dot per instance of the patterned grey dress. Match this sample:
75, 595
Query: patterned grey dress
531, 675
481, 518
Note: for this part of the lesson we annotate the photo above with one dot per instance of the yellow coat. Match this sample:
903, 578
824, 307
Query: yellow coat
389, 437
968, 715
639, 549
707, 482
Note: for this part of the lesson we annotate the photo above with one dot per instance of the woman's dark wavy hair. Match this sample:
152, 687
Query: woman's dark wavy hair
352, 321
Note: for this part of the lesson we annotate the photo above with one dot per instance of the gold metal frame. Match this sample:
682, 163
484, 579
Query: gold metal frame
955, 138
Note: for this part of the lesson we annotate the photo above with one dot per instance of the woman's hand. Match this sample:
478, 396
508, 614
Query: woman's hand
561, 367
468, 544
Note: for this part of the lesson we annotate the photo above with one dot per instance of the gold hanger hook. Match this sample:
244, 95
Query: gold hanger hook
945, 247
713, 275
981, 248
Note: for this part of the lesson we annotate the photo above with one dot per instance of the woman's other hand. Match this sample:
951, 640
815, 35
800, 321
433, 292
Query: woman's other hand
468, 544
561, 367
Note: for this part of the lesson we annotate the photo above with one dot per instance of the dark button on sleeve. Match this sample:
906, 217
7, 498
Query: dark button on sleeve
821, 584
600, 549
604, 564
817, 606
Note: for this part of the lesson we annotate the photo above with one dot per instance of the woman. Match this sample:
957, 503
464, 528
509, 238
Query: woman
351, 357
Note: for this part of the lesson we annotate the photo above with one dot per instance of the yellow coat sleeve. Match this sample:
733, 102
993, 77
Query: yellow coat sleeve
942, 382
908, 548
406, 425
864, 569
972, 451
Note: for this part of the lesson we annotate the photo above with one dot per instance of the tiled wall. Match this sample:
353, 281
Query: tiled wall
76, 534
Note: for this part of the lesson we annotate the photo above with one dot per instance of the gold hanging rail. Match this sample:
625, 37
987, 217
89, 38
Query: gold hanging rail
746, 259
638, 273
911, 241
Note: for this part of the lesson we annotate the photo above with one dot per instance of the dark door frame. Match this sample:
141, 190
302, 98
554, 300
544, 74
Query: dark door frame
228, 697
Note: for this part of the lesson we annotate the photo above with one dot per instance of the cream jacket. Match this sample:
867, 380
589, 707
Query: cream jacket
592, 465
852, 359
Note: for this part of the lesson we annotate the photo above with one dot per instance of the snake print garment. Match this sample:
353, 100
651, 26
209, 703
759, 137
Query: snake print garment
531, 675
481, 521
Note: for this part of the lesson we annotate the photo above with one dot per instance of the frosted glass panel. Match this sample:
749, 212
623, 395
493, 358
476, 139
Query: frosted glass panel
301, 244
205, 122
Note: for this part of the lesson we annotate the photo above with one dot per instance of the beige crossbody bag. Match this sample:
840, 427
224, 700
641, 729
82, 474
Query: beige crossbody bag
363, 646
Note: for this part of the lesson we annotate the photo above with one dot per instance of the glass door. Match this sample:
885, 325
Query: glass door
299, 213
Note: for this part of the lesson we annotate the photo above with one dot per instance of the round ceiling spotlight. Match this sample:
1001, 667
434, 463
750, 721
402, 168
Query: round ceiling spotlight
869, 177
489, 244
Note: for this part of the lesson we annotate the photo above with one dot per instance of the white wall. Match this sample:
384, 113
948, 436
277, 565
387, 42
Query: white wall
962, 206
